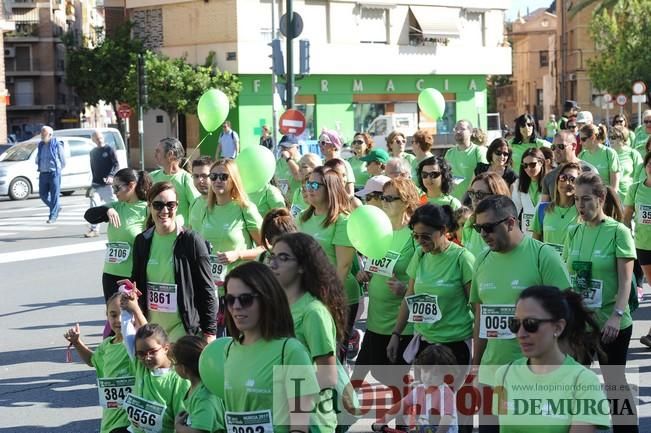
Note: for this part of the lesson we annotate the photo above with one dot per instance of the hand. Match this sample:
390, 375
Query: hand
108, 180
228, 257
363, 277
129, 302
73, 335
392, 348
114, 217
611, 329
181, 419
284, 154
397, 287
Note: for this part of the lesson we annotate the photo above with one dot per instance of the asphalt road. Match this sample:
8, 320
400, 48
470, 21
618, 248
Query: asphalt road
50, 280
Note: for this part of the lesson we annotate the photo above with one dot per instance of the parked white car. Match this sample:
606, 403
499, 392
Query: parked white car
18, 170
112, 137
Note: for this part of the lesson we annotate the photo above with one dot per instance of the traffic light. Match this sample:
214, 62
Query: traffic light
142, 80
304, 60
277, 60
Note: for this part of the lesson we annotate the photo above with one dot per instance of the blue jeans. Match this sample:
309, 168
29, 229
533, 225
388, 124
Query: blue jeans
49, 189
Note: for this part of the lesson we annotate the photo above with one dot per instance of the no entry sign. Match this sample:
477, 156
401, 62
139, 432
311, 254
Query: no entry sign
124, 111
292, 122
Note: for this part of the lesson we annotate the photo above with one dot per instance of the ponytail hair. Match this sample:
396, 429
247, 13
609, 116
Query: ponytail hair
141, 178
612, 205
436, 217
186, 352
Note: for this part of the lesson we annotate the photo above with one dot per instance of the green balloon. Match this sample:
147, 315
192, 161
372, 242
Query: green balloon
432, 103
257, 166
211, 365
370, 231
212, 109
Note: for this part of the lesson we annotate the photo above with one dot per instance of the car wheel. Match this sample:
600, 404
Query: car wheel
19, 188
67, 193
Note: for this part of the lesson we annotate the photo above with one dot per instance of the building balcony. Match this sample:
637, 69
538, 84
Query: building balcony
25, 101
24, 29
23, 67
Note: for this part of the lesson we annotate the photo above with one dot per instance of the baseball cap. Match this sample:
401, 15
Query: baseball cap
374, 184
288, 141
570, 104
377, 155
584, 117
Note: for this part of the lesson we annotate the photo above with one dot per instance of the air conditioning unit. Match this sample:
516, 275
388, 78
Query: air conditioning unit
571, 77
10, 52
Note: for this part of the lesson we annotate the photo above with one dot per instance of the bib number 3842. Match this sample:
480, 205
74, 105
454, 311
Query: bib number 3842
144, 414
423, 309
161, 297
218, 271
494, 321
383, 266
249, 422
113, 390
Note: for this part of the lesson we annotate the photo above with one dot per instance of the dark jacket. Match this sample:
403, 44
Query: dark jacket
197, 304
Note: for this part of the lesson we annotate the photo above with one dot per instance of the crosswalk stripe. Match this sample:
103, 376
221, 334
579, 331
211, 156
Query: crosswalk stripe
41, 253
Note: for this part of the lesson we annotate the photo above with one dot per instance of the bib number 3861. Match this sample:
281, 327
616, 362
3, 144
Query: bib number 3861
144, 414
113, 391
249, 422
161, 297
495, 320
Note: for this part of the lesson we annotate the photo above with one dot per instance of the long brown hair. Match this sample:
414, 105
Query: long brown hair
275, 316
495, 183
156, 189
338, 201
556, 201
238, 194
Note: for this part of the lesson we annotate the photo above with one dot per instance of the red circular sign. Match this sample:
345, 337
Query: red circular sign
621, 99
124, 111
292, 122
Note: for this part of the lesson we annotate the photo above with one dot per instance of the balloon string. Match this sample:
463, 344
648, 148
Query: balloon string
189, 158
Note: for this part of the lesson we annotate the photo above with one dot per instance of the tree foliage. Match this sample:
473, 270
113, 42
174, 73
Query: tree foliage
600, 6
622, 38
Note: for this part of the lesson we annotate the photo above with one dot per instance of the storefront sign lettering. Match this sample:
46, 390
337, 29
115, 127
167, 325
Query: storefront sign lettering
358, 86
256, 86
324, 86
390, 86
472, 85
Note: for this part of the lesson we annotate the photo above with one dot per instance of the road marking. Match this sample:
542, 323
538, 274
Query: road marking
42, 253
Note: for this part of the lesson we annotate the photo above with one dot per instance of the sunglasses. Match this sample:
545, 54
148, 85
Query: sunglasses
430, 174
159, 205
530, 325
478, 195
571, 126
374, 196
280, 257
527, 125
530, 164
147, 353
618, 121
582, 138
324, 143
245, 299
358, 142
117, 188
223, 177
397, 140
559, 146
500, 153
566, 178
313, 186
488, 227
389, 198
646, 122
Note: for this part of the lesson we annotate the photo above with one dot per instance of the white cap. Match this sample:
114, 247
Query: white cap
374, 184
584, 117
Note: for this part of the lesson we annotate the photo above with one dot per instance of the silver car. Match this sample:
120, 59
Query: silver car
18, 169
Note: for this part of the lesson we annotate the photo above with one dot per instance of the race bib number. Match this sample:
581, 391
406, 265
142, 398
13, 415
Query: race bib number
218, 271
527, 220
383, 266
592, 294
295, 210
144, 414
113, 390
117, 252
494, 321
557, 247
644, 214
161, 297
249, 422
283, 186
423, 309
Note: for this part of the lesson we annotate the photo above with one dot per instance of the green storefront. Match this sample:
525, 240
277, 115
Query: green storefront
348, 103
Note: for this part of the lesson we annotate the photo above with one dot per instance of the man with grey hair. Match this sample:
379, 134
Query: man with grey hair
103, 166
398, 167
50, 160
564, 148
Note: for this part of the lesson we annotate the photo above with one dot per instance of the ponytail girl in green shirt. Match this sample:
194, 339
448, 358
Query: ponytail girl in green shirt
603, 158
630, 160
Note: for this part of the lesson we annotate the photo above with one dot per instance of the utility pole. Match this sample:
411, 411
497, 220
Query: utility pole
142, 101
274, 80
290, 54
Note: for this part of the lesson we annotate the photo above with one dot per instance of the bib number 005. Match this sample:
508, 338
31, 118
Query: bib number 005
494, 321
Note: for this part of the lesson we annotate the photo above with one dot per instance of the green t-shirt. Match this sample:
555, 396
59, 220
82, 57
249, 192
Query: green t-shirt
359, 169
111, 360
604, 159
602, 246
118, 259
298, 203
639, 197
541, 402
383, 304
160, 270
185, 191
335, 235
266, 199
409, 157
556, 224
519, 149
471, 240
251, 386
630, 165
463, 164
444, 200
197, 211
205, 410
284, 178
498, 280
641, 138
162, 386
444, 275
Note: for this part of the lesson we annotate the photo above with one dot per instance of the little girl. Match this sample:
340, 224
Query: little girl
115, 377
158, 393
204, 410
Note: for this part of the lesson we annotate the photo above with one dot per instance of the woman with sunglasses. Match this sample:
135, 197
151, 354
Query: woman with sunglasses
560, 216
482, 186
362, 144
316, 300
630, 160
258, 317
499, 161
547, 321
330, 145
603, 158
231, 223
619, 120
527, 189
171, 268
306, 164
525, 138
435, 178
599, 254
396, 143
326, 219
126, 218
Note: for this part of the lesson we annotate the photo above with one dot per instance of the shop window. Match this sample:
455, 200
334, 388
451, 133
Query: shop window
365, 114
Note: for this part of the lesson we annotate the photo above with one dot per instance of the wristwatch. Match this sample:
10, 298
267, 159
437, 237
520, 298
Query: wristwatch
620, 313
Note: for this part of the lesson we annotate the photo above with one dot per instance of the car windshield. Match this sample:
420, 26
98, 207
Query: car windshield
19, 152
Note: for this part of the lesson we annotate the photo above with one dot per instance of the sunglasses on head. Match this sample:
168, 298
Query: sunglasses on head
313, 186
559, 146
245, 299
529, 324
566, 178
159, 205
500, 153
430, 174
478, 195
530, 164
223, 177
389, 198
488, 227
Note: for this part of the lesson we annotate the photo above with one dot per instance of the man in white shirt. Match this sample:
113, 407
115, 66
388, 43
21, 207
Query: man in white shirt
229, 143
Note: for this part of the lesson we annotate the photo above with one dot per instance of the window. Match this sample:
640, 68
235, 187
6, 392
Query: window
373, 27
365, 114
23, 58
23, 92
308, 112
79, 148
543, 57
